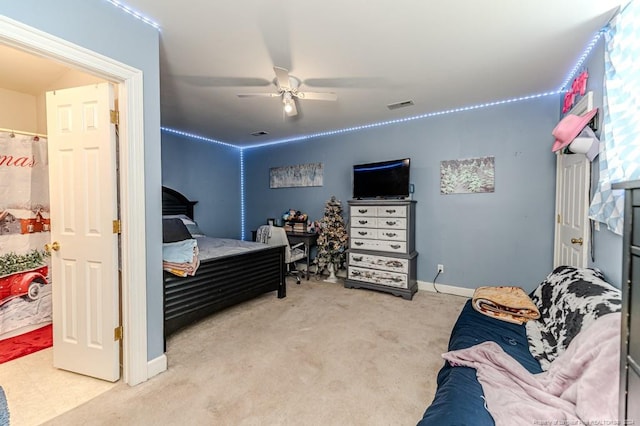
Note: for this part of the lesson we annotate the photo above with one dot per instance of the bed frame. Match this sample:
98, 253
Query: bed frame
220, 282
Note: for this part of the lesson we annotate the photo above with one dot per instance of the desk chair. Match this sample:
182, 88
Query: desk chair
277, 236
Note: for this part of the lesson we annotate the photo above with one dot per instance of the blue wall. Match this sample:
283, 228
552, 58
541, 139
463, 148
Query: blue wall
505, 237
102, 28
209, 173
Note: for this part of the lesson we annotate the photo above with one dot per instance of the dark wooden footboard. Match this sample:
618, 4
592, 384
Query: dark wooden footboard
220, 283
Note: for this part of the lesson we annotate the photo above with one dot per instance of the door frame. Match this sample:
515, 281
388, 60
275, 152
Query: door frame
131, 176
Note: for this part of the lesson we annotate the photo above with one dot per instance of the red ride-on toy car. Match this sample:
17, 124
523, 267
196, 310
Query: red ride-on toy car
24, 283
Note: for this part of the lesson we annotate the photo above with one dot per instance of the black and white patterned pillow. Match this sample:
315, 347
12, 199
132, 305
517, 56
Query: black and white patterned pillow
569, 299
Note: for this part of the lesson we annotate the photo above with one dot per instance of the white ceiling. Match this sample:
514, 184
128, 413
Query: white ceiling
441, 55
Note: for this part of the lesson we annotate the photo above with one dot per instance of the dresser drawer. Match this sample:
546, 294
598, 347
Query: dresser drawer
364, 222
391, 211
364, 233
379, 245
391, 223
392, 264
392, 279
391, 234
356, 211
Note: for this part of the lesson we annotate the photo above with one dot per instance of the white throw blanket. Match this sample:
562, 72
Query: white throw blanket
581, 385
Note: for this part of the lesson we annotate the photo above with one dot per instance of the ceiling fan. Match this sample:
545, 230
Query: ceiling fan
288, 89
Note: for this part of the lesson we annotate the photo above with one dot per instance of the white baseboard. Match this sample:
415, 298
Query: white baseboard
156, 366
447, 289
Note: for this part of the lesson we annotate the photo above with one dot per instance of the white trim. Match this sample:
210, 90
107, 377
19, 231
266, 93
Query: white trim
585, 104
132, 205
446, 289
157, 366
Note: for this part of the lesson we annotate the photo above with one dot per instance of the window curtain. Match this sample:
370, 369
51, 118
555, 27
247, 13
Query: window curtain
619, 158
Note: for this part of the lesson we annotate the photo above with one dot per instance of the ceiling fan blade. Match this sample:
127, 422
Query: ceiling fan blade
258, 95
348, 82
275, 32
317, 96
282, 79
208, 81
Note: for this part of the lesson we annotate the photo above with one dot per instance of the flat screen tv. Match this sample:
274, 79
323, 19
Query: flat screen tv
384, 179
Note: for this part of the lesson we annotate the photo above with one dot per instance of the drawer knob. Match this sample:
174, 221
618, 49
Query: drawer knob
391, 222
357, 259
395, 246
358, 243
363, 210
390, 234
390, 211
362, 222
362, 232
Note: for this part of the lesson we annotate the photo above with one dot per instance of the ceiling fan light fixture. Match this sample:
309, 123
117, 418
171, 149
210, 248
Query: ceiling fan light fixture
287, 100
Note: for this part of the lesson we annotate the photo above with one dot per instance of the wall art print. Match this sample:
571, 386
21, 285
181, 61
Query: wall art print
296, 176
467, 176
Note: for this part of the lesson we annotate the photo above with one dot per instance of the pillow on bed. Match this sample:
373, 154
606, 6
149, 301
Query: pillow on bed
569, 299
191, 224
174, 230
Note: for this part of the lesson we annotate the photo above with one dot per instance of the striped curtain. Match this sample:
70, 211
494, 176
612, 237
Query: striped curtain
619, 158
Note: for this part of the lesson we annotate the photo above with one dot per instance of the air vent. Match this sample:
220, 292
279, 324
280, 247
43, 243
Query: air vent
259, 133
400, 104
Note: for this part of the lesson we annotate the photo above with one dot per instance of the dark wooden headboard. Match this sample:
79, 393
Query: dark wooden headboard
174, 202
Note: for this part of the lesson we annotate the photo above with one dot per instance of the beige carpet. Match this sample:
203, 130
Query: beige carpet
325, 355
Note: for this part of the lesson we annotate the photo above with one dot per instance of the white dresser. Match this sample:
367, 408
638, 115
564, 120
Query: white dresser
382, 252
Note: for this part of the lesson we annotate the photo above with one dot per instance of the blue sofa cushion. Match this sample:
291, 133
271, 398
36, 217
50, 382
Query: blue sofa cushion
459, 399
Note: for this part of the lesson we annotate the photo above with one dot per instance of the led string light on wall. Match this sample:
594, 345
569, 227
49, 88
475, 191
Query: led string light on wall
581, 61
242, 209
201, 138
400, 120
135, 14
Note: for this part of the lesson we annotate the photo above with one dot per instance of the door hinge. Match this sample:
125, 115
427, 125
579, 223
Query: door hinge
115, 117
117, 333
559, 220
117, 228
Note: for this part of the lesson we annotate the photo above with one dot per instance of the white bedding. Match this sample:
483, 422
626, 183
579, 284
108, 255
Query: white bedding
210, 247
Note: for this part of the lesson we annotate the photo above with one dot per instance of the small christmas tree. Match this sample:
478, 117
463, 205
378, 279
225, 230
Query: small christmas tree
332, 238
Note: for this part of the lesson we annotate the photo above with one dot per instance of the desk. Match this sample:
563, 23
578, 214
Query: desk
308, 238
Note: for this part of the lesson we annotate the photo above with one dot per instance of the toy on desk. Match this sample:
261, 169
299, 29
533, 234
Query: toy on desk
292, 215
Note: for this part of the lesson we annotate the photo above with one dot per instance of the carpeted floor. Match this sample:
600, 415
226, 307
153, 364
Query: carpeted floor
325, 355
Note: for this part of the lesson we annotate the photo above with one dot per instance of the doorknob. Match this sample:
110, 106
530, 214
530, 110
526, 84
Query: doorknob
55, 246
576, 241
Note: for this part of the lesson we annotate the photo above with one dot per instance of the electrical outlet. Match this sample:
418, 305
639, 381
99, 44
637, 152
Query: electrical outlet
440, 268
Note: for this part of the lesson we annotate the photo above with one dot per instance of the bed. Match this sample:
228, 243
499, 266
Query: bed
487, 356
221, 281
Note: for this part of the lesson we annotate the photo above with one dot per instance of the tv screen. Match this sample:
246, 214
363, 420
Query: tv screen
385, 179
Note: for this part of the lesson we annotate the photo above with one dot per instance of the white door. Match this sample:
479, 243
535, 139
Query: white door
84, 263
572, 206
